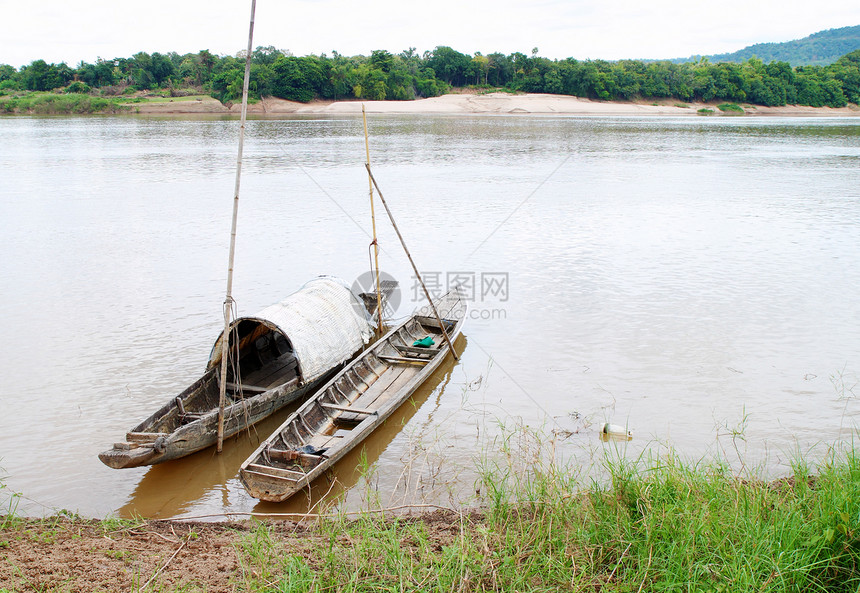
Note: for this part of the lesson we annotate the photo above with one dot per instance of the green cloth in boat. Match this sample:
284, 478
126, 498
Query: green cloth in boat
423, 342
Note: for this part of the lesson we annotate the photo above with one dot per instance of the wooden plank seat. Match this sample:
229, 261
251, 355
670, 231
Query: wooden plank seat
292, 455
246, 387
268, 470
143, 437
351, 409
402, 359
433, 322
431, 351
273, 476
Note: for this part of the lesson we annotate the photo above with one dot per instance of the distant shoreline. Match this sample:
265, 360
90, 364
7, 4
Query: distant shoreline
497, 103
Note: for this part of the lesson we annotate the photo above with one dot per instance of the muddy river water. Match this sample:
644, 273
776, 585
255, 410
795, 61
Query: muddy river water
694, 280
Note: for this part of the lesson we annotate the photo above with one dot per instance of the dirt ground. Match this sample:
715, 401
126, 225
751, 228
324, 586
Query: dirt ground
84, 556
70, 554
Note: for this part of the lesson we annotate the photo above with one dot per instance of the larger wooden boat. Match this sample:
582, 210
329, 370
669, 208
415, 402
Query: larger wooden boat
353, 403
285, 352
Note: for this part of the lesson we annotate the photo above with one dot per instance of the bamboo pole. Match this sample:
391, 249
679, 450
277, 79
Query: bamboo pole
228, 300
373, 219
411, 261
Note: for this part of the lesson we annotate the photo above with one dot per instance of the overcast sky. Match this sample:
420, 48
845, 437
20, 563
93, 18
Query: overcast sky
74, 30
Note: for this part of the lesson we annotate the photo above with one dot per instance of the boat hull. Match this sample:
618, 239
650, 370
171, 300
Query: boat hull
339, 416
156, 447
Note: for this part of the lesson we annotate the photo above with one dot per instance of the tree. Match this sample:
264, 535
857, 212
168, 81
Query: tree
340, 80
207, 62
260, 84
141, 74
8, 78
552, 82
382, 60
809, 91
227, 85
41, 76
847, 71
7, 72
449, 65
520, 64
190, 71
480, 68
97, 75
411, 60
374, 87
161, 68
298, 79
500, 70
634, 78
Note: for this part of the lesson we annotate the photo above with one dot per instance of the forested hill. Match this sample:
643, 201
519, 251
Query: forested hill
821, 49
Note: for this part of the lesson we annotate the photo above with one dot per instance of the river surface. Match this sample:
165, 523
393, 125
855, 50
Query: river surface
695, 280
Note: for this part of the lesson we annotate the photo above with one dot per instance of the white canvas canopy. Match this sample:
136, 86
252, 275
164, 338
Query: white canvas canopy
325, 323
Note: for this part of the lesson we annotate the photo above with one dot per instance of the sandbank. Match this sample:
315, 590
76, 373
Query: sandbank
484, 104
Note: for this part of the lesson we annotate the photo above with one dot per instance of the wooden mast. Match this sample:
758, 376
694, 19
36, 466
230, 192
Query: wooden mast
411, 261
228, 300
373, 219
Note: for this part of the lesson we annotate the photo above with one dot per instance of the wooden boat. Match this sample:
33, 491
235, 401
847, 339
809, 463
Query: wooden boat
352, 404
285, 352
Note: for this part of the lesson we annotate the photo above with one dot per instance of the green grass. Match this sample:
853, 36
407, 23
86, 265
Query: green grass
657, 524
731, 108
9, 499
60, 104
705, 111
497, 89
265, 566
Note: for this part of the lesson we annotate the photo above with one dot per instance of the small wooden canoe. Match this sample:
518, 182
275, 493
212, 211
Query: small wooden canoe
352, 404
285, 352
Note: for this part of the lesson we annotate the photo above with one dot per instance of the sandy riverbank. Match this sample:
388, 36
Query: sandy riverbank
488, 104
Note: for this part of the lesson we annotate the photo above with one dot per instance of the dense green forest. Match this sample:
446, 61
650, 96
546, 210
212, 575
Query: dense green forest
821, 49
408, 75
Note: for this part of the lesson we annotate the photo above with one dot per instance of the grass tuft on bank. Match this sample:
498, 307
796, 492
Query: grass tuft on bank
731, 108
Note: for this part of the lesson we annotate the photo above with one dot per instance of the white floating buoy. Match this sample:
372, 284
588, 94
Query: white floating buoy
615, 432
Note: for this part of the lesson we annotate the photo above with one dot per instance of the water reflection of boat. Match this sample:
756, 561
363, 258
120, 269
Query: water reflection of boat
186, 485
281, 354
354, 403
